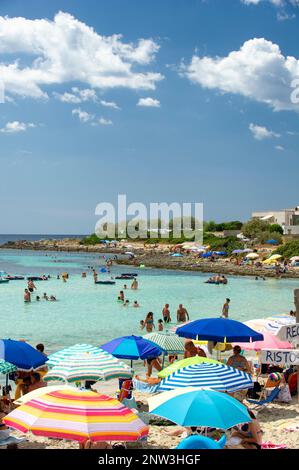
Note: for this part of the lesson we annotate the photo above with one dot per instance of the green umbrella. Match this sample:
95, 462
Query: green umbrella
184, 363
6, 367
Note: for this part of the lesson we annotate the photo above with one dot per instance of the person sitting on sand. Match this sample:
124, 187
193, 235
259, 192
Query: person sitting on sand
238, 361
153, 362
182, 314
36, 382
166, 314
136, 304
149, 322
191, 350
102, 445
250, 433
160, 325
27, 296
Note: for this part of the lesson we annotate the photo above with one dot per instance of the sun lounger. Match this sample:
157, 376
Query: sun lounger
273, 395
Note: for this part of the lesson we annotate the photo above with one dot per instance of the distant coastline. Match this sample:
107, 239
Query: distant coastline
147, 255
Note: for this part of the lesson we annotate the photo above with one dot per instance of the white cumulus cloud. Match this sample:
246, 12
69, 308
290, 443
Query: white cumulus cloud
83, 116
48, 52
77, 95
261, 132
258, 70
105, 122
14, 127
149, 102
109, 104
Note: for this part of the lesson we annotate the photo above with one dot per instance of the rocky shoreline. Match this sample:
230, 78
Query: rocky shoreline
151, 257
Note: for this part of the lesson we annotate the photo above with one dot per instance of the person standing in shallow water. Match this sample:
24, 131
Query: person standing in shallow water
225, 308
166, 314
27, 296
149, 322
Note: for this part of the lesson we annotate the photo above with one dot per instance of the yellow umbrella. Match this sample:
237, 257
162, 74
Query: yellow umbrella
184, 363
275, 257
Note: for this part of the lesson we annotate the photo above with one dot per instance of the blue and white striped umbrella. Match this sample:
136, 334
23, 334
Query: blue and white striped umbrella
214, 376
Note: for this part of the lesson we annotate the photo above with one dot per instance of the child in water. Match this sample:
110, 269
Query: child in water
142, 325
160, 325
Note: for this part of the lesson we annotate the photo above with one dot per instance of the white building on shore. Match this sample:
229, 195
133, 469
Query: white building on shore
287, 218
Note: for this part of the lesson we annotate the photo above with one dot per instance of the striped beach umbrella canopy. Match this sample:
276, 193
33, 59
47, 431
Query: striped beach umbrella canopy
208, 375
133, 347
77, 415
6, 367
184, 363
89, 366
170, 342
59, 356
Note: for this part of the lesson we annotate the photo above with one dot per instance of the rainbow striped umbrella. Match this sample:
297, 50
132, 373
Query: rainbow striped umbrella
89, 366
77, 415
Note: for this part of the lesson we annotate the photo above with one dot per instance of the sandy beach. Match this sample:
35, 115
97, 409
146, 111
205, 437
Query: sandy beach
279, 422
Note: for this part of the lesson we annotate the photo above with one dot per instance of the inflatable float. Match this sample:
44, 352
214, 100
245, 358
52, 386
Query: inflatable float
105, 282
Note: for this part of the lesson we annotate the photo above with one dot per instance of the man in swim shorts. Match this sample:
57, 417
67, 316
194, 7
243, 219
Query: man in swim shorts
166, 314
182, 314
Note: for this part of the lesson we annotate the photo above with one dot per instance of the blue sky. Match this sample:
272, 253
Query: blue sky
191, 104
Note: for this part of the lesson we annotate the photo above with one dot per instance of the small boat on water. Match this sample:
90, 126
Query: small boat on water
37, 278
125, 278
129, 274
4, 281
105, 282
14, 278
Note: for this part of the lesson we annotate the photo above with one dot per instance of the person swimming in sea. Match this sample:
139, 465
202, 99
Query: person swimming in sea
136, 304
142, 324
126, 303
182, 314
149, 322
45, 297
31, 286
225, 308
166, 314
27, 296
134, 285
160, 325
122, 295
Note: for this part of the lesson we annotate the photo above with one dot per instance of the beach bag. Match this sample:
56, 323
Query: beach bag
284, 395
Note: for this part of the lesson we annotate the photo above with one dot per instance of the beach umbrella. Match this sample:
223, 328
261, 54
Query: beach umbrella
77, 415
95, 366
219, 329
6, 367
133, 347
275, 257
247, 250
272, 242
21, 354
252, 256
38, 392
170, 342
197, 407
176, 255
184, 363
294, 258
236, 252
208, 375
270, 341
56, 358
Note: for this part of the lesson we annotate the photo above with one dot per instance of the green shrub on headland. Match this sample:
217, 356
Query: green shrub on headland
289, 249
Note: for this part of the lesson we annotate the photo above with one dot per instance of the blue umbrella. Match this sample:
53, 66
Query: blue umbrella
236, 252
221, 253
191, 407
133, 347
272, 242
201, 442
207, 255
219, 329
21, 354
176, 255
216, 376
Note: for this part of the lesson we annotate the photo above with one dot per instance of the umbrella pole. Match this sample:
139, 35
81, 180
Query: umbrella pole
163, 361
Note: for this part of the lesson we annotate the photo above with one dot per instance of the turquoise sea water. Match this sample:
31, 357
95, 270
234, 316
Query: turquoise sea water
90, 313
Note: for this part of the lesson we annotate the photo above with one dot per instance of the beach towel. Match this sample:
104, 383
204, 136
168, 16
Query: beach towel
271, 445
144, 387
